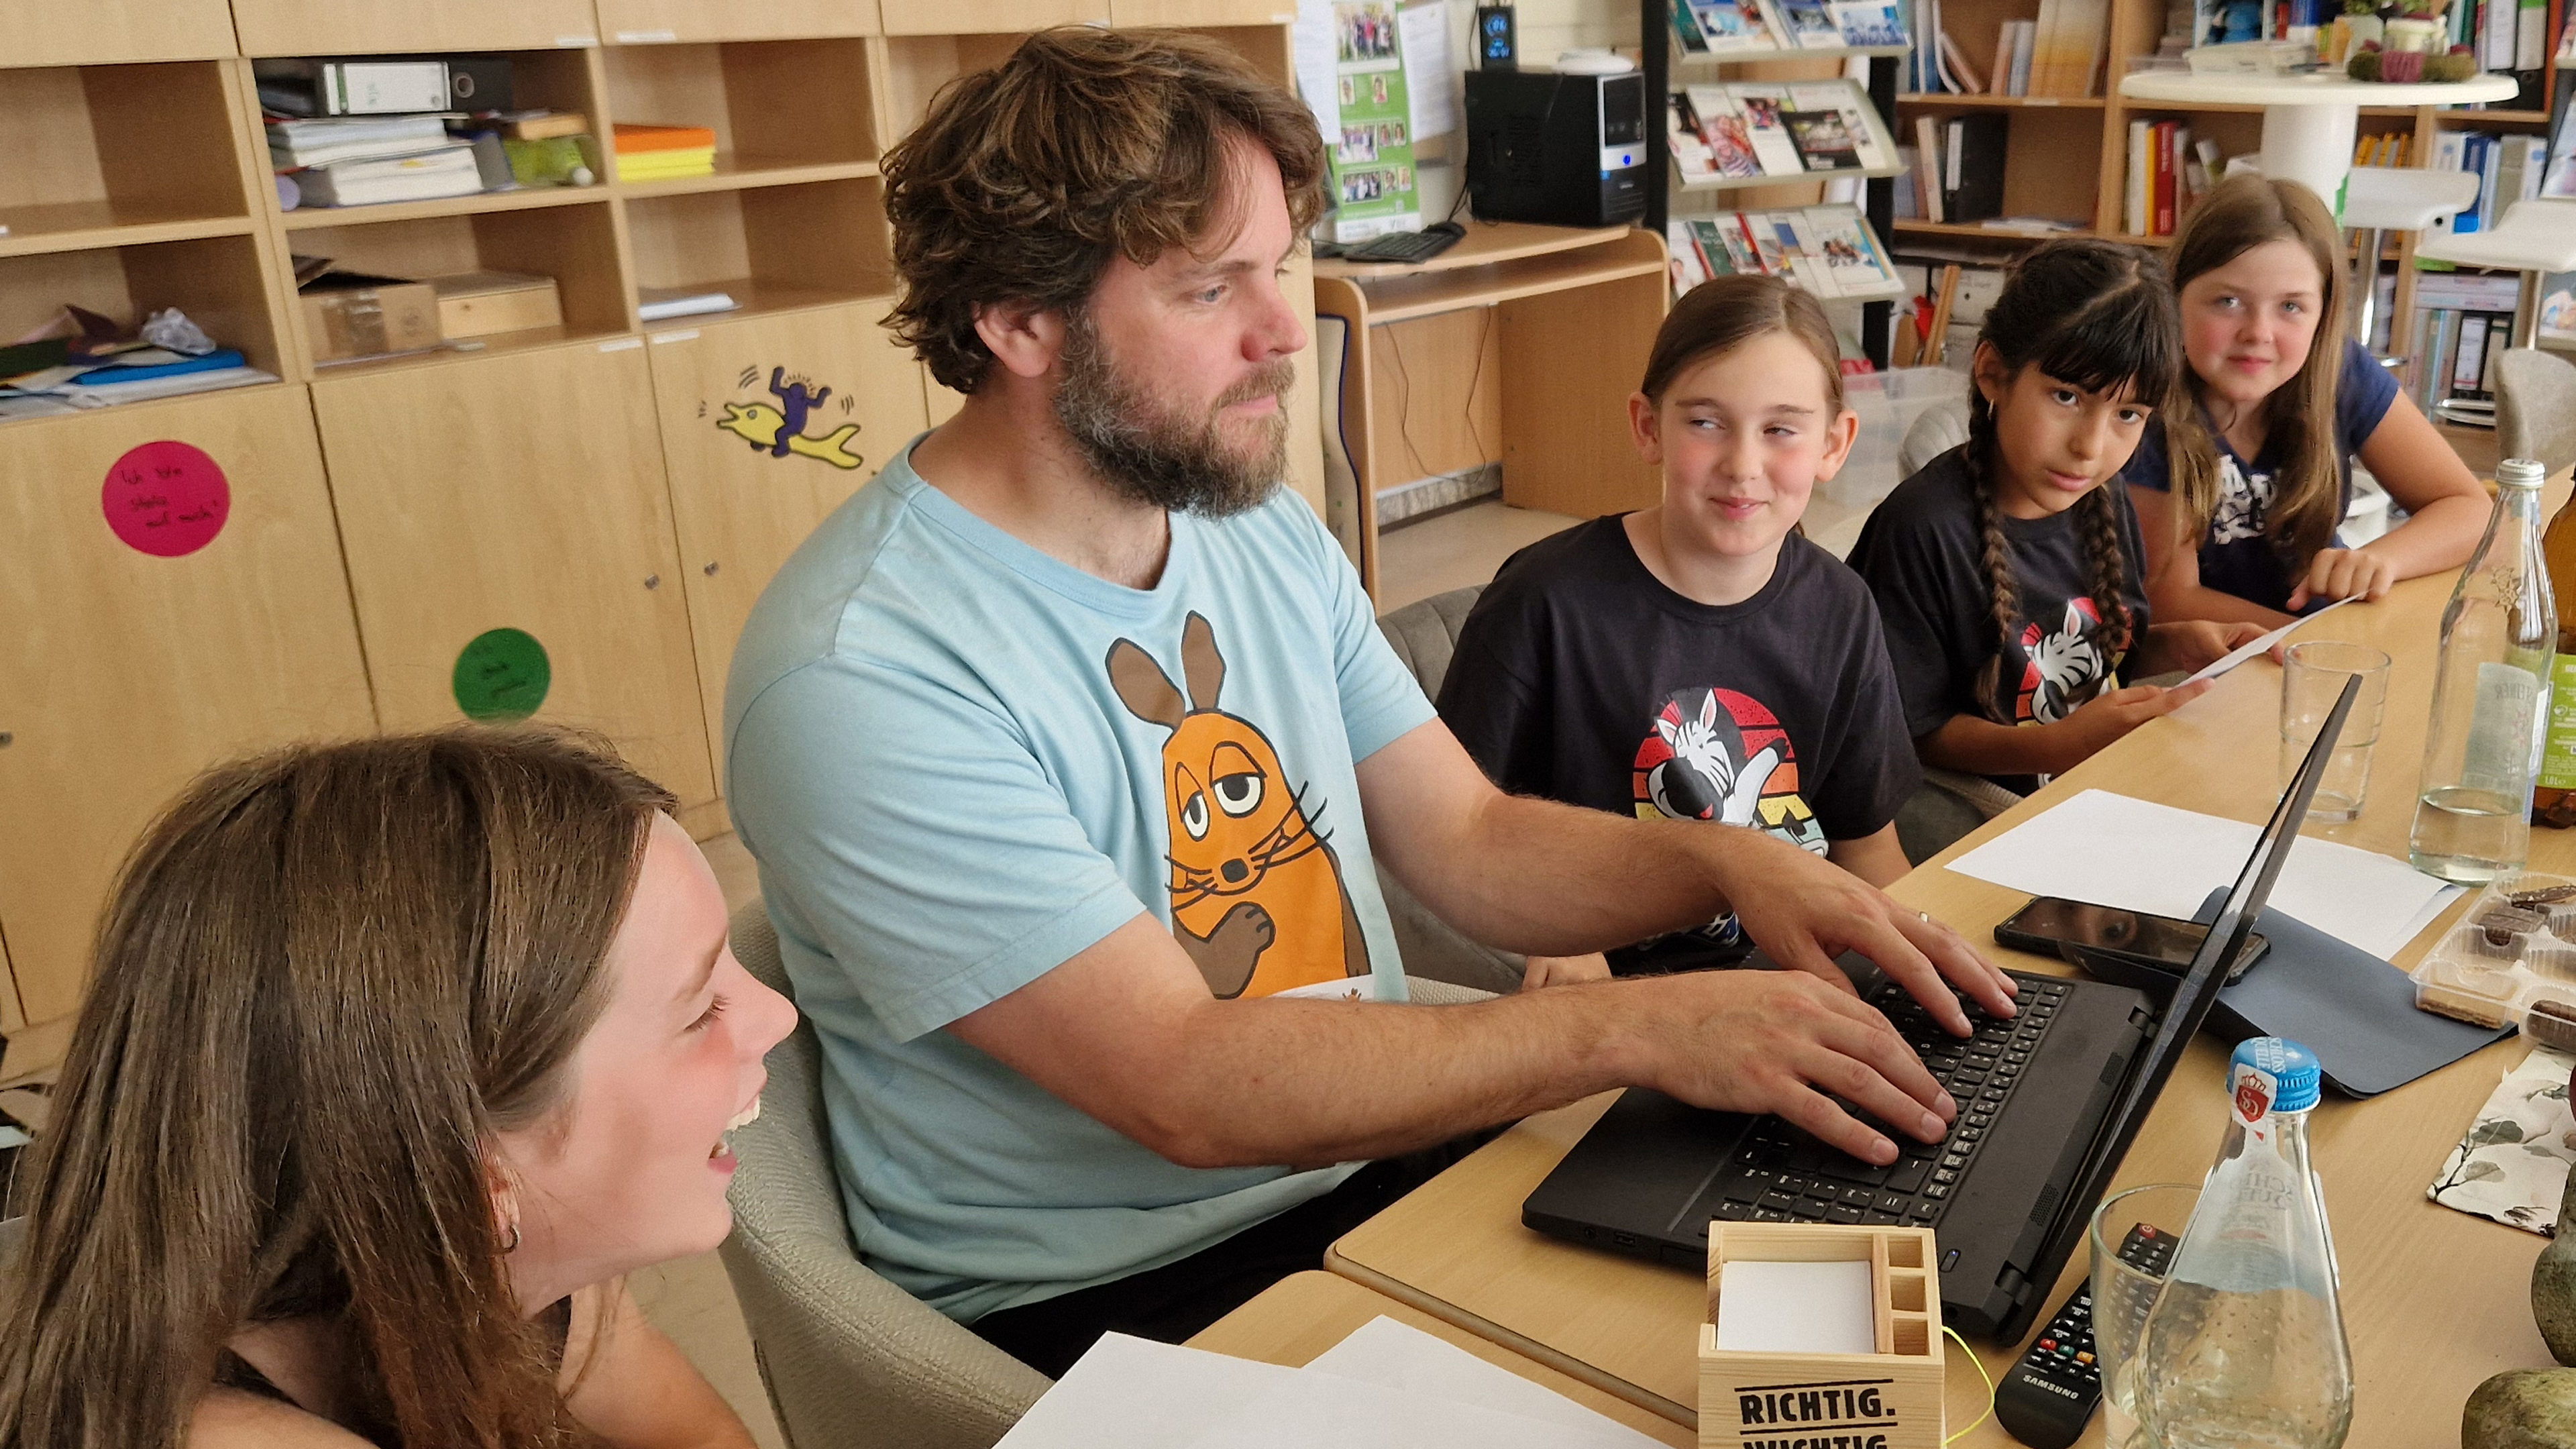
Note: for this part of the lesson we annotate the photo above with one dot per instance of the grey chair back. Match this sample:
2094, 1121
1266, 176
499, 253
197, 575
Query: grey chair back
1425, 636
2536, 407
850, 1360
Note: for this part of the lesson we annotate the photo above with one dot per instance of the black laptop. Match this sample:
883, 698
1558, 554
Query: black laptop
2048, 1104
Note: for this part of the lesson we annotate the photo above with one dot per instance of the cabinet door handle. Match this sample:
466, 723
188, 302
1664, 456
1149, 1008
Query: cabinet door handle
711, 568
652, 581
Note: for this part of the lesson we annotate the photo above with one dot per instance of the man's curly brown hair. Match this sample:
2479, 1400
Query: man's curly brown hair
1026, 179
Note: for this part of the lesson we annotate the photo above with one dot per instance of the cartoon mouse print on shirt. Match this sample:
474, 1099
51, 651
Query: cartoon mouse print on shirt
1257, 894
2064, 668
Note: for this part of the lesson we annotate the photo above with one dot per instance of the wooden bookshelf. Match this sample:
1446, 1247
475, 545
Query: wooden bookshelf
576, 480
2054, 138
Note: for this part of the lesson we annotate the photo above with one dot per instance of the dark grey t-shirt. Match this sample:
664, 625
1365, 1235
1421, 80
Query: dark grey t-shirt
1921, 552
1580, 677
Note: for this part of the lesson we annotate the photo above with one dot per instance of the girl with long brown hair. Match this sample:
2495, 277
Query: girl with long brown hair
2007, 571
398, 1054
1700, 659
2240, 486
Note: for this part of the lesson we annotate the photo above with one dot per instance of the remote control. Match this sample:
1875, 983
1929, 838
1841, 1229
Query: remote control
2050, 1395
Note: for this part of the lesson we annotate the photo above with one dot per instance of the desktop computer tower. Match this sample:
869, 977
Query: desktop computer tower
1565, 150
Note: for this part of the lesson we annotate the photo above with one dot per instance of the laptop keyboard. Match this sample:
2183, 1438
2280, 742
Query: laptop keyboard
1780, 1174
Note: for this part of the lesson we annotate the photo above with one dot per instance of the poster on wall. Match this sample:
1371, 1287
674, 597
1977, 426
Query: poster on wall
1373, 181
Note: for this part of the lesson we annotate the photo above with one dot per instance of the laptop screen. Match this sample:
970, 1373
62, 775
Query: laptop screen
2194, 999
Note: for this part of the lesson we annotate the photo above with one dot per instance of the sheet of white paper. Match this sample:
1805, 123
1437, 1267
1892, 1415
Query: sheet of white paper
2243, 652
1312, 1409
2111, 850
1428, 75
1398, 1356
1132, 1393
1311, 38
1795, 1308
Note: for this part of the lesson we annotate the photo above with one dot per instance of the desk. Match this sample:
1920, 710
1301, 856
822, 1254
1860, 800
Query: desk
2434, 1300
1556, 321
1300, 1316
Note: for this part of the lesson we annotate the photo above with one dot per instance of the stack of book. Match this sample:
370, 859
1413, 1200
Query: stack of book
2058, 54
2509, 168
2169, 172
364, 160
1959, 166
1725, 27
1751, 129
664, 153
2462, 319
1828, 250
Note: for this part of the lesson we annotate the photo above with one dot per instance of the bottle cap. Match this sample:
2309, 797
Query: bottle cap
2521, 473
2270, 1074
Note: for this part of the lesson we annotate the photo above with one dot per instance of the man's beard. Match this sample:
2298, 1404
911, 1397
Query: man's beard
1149, 452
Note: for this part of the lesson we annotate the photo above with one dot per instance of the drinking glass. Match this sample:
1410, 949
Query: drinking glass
2312, 678
2123, 1292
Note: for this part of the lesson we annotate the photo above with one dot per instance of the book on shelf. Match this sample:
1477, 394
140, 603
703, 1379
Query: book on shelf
1811, 23
2067, 45
1828, 250
657, 153
1905, 201
659, 304
322, 141
1736, 25
1955, 61
1873, 23
1972, 166
432, 175
1740, 130
309, 86
2509, 168
1686, 31
1930, 149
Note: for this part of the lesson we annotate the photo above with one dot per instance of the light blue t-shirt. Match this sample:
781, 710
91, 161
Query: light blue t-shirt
949, 752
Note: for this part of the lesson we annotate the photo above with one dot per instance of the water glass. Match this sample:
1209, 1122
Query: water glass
2312, 679
2123, 1292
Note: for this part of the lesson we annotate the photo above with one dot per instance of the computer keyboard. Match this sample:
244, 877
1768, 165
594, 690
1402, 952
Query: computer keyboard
1780, 1174
1406, 247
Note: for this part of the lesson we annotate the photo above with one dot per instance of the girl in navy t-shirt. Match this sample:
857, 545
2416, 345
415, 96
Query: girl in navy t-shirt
2255, 466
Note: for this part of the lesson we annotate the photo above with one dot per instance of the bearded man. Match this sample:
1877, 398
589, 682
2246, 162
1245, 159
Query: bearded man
1067, 747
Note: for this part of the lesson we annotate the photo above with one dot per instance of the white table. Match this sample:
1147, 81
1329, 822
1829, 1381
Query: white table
2309, 121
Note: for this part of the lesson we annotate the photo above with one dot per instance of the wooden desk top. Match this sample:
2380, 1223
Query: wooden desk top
1299, 1317
2434, 1300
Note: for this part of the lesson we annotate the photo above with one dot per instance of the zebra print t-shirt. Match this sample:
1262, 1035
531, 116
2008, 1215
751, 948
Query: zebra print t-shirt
1923, 557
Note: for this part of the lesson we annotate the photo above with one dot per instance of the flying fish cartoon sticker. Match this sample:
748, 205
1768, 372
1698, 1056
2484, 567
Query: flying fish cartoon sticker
1257, 894
779, 430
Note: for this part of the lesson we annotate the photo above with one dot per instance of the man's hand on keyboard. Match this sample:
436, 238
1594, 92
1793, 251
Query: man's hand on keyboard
1786, 1042
1805, 910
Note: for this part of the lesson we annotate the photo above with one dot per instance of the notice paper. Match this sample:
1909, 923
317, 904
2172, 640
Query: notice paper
1387, 1386
1795, 1308
2110, 850
1426, 61
2243, 652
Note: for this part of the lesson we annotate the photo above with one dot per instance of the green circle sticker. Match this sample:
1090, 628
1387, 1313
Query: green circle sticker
502, 675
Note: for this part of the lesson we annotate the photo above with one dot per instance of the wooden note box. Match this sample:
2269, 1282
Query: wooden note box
1890, 1399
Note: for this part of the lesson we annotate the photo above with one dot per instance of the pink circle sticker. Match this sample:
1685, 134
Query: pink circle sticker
165, 499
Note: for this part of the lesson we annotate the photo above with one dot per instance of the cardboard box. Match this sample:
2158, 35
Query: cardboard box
477, 304
351, 314
1889, 1399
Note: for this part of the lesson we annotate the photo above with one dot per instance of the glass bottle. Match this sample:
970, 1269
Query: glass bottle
2553, 803
2244, 1348
2490, 696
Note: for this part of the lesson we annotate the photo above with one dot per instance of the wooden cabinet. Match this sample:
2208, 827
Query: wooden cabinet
521, 492
101, 32
741, 506
125, 673
376, 27
648, 22
988, 17
1201, 12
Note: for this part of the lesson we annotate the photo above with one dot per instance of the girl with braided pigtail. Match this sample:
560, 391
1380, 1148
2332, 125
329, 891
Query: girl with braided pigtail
2007, 573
